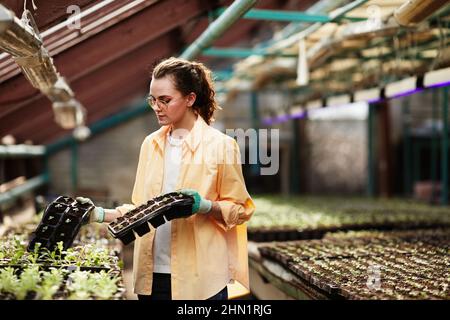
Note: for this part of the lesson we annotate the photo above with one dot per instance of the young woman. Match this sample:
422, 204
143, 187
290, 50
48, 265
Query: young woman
196, 257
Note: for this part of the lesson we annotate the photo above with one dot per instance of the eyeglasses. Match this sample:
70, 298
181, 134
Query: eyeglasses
163, 104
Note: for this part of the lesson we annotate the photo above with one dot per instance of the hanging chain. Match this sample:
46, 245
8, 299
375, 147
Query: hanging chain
32, 3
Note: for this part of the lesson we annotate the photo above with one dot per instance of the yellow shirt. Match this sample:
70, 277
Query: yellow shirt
205, 253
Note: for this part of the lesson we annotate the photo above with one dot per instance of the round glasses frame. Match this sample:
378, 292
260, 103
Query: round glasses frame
153, 102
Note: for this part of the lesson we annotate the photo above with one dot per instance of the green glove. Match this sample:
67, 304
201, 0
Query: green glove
201, 205
97, 214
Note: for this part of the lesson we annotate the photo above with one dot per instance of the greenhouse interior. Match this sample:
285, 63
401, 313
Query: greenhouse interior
337, 110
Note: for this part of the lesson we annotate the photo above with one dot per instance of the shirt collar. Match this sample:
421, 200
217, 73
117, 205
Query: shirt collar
192, 139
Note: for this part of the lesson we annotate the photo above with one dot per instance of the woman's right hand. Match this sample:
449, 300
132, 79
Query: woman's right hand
97, 214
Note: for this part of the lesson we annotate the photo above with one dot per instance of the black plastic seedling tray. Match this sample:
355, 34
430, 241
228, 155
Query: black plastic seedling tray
61, 221
156, 211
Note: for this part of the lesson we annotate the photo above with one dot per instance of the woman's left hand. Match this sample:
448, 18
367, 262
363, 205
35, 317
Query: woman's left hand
201, 205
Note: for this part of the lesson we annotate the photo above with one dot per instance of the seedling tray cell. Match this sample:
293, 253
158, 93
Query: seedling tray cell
155, 212
61, 221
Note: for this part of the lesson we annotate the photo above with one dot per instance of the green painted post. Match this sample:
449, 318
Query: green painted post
434, 143
47, 166
370, 151
445, 145
406, 146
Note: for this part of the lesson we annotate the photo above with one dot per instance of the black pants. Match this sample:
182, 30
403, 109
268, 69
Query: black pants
161, 289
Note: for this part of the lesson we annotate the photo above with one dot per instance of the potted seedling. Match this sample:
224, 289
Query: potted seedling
28, 283
50, 285
8, 284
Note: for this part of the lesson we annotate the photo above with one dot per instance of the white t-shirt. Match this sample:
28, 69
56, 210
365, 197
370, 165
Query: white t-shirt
172, 164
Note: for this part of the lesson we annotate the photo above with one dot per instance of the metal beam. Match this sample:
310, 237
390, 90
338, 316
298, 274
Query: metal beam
280, 15
434, 143
289, 16
28, 186
241, 53
21, 150
335, 15
407, 152
312, 7
217, 28
445, 146
371, 151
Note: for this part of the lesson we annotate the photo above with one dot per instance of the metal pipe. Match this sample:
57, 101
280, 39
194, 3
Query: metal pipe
415, 11
217, 28
370, 151
335, 15
434, 142
445, 146
281, 15
28, 186
21, 150
406, 116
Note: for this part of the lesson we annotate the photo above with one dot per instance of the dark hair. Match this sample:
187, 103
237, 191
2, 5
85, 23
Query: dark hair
191, 77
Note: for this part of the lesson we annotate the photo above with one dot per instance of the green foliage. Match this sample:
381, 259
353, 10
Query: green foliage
8, 280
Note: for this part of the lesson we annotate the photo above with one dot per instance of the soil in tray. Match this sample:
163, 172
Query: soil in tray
117, 222
141, 214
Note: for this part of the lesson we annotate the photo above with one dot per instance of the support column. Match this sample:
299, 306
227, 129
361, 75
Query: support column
434, 144
445, 144
385, 156
370, 151
406, 117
